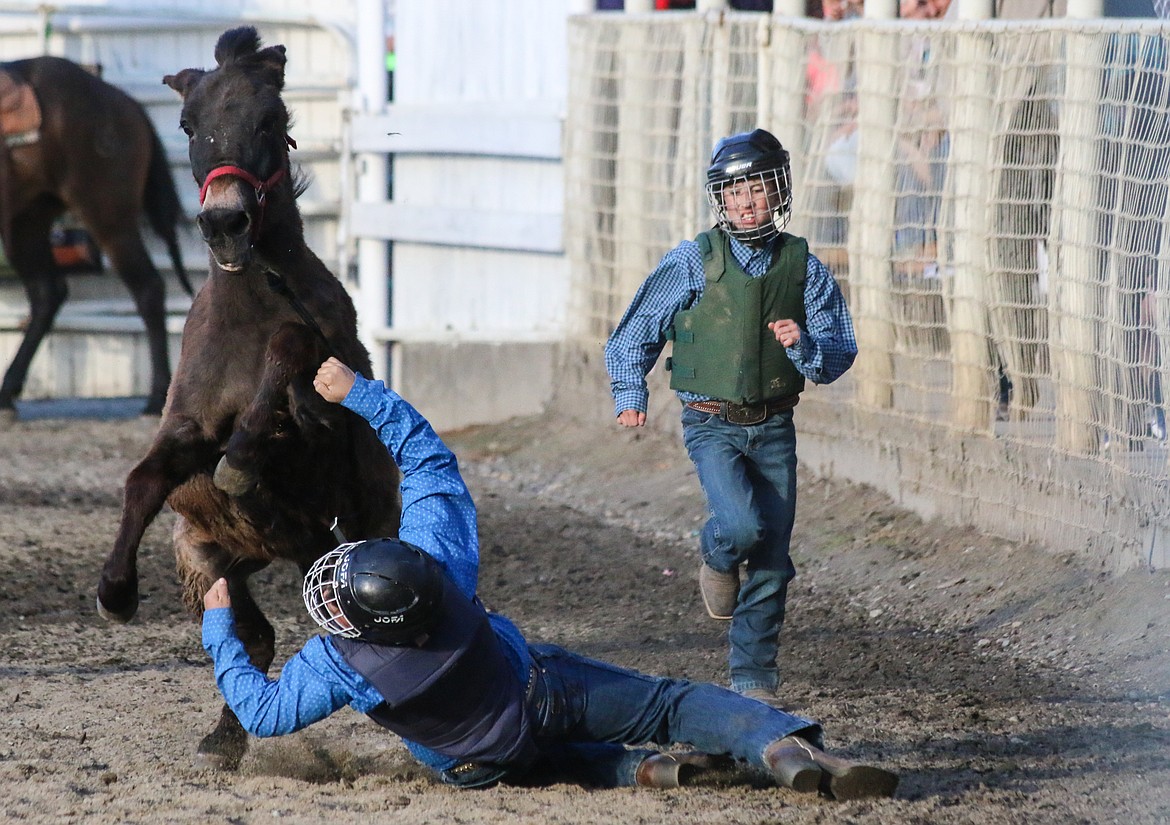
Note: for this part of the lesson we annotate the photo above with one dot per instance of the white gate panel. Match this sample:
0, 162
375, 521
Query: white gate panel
479, 294
475, 50
476, 218
97, 346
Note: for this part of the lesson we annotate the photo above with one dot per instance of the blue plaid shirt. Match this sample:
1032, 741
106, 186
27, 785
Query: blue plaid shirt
827, 345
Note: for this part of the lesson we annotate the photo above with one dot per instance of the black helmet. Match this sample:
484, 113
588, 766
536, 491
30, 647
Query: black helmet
751, 158
380, 590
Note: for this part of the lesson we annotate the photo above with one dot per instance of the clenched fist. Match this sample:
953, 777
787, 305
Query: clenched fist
333, 380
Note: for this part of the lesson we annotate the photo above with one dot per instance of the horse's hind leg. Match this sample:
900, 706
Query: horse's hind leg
32, 257
292, 351
200, 563
129, 257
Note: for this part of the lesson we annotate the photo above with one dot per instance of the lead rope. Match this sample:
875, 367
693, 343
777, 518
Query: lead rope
278, 285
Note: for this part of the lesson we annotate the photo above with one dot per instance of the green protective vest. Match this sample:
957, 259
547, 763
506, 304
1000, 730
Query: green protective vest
722, 345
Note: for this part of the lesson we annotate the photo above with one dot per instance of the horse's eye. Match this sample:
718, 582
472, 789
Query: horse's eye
186, 129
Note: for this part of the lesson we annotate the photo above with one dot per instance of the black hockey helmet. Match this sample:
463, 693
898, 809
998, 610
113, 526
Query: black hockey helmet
379, 590
751, 158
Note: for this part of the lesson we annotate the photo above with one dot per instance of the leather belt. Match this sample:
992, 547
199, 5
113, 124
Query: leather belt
746, 413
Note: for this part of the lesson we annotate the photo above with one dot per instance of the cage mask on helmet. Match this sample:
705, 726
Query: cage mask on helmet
744, 168
379, 590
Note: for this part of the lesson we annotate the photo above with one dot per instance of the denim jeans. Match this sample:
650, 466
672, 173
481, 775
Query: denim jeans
748, 474
586, 711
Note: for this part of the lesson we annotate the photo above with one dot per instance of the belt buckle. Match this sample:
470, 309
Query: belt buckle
746, 414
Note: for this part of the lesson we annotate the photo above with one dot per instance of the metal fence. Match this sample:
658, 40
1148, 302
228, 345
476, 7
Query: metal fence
992, 198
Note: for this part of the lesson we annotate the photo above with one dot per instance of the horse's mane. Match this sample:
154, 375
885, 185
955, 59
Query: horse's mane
236, 43
241, 47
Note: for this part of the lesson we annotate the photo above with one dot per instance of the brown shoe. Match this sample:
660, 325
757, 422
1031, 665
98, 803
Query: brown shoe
672, 770
768, 697
720, 592
839, 778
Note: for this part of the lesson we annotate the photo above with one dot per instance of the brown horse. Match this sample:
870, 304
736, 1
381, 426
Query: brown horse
256, 465
98, 156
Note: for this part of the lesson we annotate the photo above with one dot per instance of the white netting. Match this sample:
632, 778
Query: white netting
992, 198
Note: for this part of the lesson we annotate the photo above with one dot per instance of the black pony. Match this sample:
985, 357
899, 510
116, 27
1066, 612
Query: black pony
256, 465
96, 155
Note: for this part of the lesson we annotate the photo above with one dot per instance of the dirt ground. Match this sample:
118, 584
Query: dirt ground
1005, 683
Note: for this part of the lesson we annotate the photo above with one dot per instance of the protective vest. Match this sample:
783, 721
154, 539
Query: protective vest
457, 694
722, 346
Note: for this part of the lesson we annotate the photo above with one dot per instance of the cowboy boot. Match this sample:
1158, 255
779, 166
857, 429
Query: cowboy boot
839, 778
720, 592
672, 770
792, 766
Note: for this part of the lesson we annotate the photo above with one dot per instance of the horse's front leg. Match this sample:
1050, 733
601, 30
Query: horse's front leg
292, 352
177, 453
200, 563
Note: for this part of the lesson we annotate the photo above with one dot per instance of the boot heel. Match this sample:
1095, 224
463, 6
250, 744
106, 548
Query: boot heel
792, 767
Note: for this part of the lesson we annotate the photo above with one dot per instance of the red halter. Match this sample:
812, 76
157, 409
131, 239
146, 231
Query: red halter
262, 187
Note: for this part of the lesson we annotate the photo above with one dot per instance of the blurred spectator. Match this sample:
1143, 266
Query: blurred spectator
920, 170
830, 111
842, 9
825, 77
923, 9
834, 200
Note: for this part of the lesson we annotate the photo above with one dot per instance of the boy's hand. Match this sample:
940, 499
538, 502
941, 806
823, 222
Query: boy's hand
333, 380
632, 418
787, 332
217, 596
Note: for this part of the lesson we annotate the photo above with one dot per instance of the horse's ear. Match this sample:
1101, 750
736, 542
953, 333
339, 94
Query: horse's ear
184, 80
272, 61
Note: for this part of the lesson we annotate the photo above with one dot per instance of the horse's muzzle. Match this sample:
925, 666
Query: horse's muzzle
228, 235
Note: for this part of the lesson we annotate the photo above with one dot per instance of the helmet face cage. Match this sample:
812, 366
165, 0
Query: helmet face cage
320, 591
382, 591
777, 184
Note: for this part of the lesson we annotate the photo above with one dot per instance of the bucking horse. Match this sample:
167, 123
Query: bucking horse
254, 463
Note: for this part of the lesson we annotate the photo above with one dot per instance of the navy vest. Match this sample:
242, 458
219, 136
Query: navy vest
457, 694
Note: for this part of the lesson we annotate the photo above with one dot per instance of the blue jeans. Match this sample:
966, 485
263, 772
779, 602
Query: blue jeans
585, 712
748, 474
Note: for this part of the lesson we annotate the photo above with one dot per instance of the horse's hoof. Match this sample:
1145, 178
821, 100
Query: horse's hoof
119, 616
232, 481
7, 417
220, 753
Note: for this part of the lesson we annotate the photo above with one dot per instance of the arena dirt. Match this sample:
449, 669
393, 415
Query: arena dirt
1007, 684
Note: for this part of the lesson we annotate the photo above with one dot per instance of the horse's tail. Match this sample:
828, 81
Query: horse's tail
162, 205
5, 199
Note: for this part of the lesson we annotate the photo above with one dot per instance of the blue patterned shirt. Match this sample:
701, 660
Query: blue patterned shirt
827, 345
438, 515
